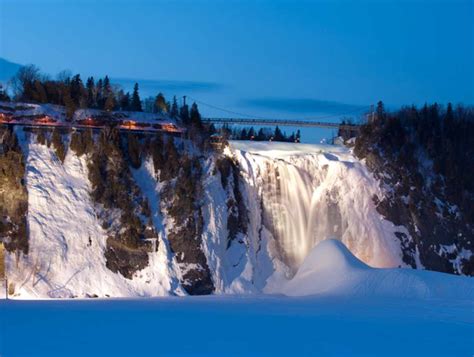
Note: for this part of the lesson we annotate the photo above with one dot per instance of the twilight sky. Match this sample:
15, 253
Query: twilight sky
264, 52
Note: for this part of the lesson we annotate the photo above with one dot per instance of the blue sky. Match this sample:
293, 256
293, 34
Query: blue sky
349, 52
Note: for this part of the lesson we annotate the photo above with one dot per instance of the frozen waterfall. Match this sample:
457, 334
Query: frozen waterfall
310, 193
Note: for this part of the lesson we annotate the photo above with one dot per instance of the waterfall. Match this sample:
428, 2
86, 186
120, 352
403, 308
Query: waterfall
311, 196
287, 195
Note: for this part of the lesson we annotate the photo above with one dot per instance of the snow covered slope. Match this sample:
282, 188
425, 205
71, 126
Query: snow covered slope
332, 269
67, 242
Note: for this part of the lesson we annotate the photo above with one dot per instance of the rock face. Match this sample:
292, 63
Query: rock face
418, 195
182, 201
13, 194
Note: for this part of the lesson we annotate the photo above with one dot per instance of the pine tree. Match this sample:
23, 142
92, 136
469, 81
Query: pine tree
68, 103
100, 94
109, 104
278, 135
160, 104
251, 133
195, 116
91, 98
77, 91
184, 114
174, 108
380, 112
449, 117
125, 102
136, 104
107, 86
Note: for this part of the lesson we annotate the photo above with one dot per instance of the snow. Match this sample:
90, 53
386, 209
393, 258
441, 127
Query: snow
61, 219
225, 325
284, 150
314, 192
332, 269
335, 187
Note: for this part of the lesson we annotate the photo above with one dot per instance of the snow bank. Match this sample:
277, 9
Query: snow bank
332, 269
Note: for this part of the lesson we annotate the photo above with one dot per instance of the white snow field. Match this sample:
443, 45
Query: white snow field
357, 311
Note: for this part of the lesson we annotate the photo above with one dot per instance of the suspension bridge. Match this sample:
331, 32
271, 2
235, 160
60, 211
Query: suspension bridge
280, 122
336, 120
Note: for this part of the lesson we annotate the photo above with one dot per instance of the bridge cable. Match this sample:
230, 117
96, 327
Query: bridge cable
282, 119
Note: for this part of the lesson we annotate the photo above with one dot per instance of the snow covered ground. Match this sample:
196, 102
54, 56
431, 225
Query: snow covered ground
351, 310
219, 325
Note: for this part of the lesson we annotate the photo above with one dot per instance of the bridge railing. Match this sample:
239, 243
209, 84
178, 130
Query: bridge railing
280, 122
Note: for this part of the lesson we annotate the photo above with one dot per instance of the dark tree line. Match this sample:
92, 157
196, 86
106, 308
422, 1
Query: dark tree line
446, 135
32, 86
263, 134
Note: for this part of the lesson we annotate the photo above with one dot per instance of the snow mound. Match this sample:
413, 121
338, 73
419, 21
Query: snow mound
330, 255
332, 269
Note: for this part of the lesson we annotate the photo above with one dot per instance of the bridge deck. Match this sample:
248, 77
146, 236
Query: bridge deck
281, 122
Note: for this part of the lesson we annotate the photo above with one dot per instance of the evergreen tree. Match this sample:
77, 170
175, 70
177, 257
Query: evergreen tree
160, 104
100, 94
77, 91
109, 104
136, 104
107, 87
125, 102
68, 103
449, 117
380, 112
278, 135
195, 116
174, 108
184, 114
91, 98
251, 134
